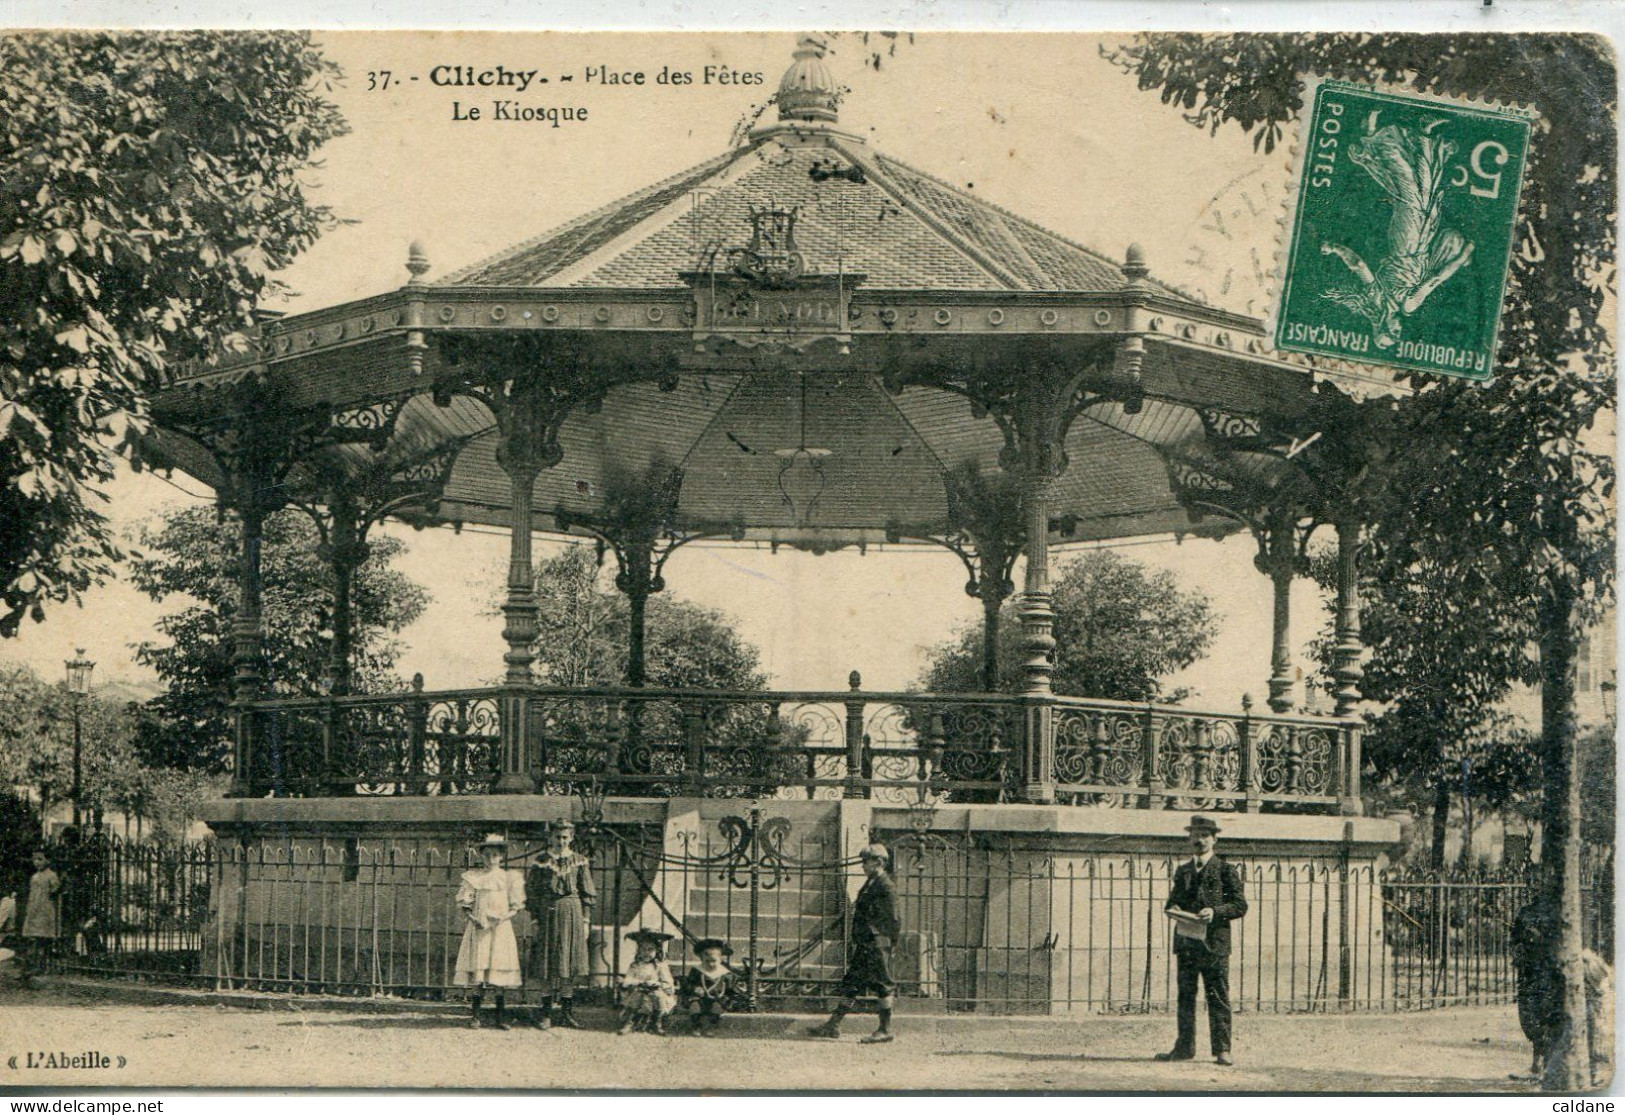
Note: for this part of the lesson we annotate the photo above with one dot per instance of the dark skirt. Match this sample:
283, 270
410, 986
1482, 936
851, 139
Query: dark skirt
558, 951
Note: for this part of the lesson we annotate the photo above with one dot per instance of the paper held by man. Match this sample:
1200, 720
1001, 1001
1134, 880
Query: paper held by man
1189, 925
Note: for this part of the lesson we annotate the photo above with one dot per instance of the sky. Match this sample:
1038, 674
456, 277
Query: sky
1040, 124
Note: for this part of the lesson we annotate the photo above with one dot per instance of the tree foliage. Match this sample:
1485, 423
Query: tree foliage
151, 184
36, 742
1442, 660
1120, 629
1507, 487
582, 637
191, 556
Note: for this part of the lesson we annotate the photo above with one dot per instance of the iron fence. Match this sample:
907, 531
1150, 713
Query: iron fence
987, 928
134, 907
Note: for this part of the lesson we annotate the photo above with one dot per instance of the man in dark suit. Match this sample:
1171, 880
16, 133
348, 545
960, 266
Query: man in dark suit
1210, 888
875, 926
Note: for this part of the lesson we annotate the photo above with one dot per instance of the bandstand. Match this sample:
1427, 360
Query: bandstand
805, 344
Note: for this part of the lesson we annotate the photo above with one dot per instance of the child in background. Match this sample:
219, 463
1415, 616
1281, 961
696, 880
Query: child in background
647, 991
488, 898
709, 985
42, 917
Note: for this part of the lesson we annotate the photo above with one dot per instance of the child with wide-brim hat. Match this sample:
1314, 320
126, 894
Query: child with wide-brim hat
488, 897
648, 992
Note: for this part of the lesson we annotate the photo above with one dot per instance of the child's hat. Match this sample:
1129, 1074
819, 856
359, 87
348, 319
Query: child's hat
652, 936
492, 840
712, 943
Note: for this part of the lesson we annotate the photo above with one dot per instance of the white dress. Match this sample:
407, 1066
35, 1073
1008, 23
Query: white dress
490, 952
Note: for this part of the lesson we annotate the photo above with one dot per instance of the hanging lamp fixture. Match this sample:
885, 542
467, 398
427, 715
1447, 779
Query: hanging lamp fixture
801, 470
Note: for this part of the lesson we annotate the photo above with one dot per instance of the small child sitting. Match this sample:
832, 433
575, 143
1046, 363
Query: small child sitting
709, 986
648, 993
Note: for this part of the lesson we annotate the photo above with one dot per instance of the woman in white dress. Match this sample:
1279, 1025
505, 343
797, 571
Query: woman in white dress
488, 899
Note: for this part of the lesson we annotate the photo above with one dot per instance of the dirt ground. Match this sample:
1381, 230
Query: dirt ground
1463, 1050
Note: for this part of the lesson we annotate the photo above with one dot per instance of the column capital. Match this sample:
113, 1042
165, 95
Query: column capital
530, 382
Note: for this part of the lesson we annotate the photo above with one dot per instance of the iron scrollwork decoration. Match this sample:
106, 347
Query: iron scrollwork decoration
920, 839
1099, 749
754, 859
1202, 755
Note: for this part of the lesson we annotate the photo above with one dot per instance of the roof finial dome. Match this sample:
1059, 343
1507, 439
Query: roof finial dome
808, 90
1134, 266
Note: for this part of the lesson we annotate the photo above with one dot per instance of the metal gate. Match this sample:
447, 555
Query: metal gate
779, 898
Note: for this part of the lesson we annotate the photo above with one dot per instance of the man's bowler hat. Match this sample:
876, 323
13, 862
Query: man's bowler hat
1202, 826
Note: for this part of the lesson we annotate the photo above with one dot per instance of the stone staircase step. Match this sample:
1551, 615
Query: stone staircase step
737, 922
771, 903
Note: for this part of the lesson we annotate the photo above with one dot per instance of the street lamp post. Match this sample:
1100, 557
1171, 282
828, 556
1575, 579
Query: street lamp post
79, 668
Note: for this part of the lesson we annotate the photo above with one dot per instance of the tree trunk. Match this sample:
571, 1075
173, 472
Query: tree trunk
990, 640
1568, 1066
1441, 823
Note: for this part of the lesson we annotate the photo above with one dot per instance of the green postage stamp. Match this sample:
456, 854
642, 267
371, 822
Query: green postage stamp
1401, 229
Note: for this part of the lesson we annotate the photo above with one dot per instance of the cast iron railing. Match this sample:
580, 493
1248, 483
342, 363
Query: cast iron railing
1115, 753
814, 744
985, 928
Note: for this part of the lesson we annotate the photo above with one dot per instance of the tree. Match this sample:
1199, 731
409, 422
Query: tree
582, 634
36, 741
1120, 629
152, 185
19, 836
1443, 657
1504, 485
190, 555
584, 640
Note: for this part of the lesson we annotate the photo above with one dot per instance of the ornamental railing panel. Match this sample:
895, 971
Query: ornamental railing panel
1117, 754
895, 748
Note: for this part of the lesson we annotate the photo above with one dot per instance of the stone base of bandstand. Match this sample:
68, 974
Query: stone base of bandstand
1021, 909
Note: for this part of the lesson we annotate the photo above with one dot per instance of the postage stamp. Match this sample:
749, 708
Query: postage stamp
1402, 229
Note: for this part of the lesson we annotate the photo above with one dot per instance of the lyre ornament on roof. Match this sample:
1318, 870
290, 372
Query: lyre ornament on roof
771, 258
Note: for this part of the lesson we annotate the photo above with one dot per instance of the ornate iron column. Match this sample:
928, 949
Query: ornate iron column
1347, 669
1037, 642
1044, 409
530, 383
256, 435
247, 639
345, 550
986, 529
1281, 545
517, 457
1347, 652
1034, 405
346, 502
639, 524
1034, 397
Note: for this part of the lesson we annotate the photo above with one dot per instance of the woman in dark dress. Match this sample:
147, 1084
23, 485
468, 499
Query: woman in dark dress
560, 895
